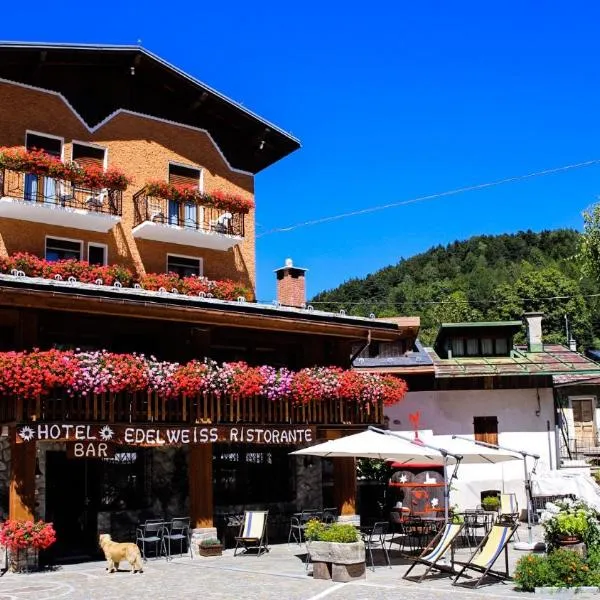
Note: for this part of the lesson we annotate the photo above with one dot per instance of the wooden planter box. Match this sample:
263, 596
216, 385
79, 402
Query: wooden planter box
23, 560
216, 550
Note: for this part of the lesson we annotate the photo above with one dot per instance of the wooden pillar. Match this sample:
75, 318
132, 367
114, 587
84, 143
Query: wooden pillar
200, 476
21, 500
344, 485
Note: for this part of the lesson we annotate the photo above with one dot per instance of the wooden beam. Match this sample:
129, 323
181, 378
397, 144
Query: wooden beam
140, 309
200, 477
344, 485
21, 499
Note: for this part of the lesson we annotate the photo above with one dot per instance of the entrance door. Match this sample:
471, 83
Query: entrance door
72, 503
584, 422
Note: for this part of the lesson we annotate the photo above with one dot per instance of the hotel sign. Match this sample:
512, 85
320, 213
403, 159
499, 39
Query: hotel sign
164, 435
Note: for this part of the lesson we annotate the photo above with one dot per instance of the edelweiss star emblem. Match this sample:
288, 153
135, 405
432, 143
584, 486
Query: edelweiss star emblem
26, 433
403, 478
106, 433
434, 502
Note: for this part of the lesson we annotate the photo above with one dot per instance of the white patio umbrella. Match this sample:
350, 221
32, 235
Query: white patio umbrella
389, 445
371, 444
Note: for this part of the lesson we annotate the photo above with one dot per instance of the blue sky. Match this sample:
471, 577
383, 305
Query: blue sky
406, 100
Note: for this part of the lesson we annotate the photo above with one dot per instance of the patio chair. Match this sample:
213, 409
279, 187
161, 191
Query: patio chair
297, 527
486, 554
152, 533
477, 524
330, 515
435, 550
374, 539
253, 532
509, 510
178, 531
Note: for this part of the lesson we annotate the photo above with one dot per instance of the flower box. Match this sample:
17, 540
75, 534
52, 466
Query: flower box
23, 560
214, 550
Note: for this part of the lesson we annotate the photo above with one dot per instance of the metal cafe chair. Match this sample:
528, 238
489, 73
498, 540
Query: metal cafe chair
152, 533
178, 531
296, 529
329, 515
374, 539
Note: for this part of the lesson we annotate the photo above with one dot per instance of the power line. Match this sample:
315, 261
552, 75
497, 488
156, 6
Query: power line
454, 192
381, 302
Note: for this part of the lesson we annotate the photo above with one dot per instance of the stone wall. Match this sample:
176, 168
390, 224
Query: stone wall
4, 476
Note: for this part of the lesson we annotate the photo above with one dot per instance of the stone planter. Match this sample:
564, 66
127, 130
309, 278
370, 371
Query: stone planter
216, 550
565, 592
339, 562
23, 560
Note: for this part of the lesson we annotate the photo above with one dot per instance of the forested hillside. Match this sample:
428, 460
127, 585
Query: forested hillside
482, 278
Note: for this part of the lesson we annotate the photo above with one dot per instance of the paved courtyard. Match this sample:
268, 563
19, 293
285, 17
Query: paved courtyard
279, 575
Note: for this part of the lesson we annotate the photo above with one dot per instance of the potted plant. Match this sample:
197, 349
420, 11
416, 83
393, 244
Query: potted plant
336, 550
568, 522
210, 547
491, 503
23, 540
570, 528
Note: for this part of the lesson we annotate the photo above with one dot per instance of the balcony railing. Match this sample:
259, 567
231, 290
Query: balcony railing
204, 226
24, 195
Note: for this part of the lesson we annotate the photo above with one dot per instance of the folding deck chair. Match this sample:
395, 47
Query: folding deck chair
486, 554
435, 550
509, 510
253, 532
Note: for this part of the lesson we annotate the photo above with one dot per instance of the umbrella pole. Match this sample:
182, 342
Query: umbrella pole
446, 491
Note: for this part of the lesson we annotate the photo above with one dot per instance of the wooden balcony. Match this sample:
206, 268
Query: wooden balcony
42, 199
190, 224
150, 407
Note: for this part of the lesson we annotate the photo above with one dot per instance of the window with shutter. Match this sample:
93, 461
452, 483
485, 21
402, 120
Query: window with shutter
179, 175
486, 429
88, 156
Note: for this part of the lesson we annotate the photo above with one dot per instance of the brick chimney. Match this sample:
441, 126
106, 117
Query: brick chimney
533, 322
291, 285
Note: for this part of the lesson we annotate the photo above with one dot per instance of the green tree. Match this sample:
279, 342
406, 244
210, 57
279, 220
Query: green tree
551, 292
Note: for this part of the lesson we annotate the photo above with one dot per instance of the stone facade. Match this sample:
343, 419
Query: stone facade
142, 147
4, 476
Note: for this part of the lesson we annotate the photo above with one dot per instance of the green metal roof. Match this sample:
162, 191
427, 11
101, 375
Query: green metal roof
482, 324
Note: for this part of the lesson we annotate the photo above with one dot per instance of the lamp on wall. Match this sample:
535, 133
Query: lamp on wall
38, 471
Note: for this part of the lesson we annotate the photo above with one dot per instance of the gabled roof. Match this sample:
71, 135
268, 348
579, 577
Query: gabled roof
98, 80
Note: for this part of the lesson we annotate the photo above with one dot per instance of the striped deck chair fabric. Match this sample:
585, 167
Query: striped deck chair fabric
253, 532
436, 550
509, 506
484, 557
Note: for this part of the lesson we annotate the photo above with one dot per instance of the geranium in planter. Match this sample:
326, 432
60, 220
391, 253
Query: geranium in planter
23, 541
336, 550
210, 547
570, 522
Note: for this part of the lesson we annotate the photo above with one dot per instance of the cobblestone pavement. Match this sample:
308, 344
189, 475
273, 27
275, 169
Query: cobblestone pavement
279, 575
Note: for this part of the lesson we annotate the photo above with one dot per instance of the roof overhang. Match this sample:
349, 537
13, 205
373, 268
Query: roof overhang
98, 80
42, 294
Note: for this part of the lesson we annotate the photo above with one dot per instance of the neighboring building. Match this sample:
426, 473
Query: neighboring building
112, 107
483, 387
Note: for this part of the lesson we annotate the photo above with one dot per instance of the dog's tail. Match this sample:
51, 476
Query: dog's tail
135, 560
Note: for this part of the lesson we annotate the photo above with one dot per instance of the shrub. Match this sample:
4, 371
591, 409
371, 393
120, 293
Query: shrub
532, 571
561, 568
567, 569
341, 533
491, 503
210, 542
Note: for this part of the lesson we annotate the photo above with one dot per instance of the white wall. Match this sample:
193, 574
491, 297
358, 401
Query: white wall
524, 416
